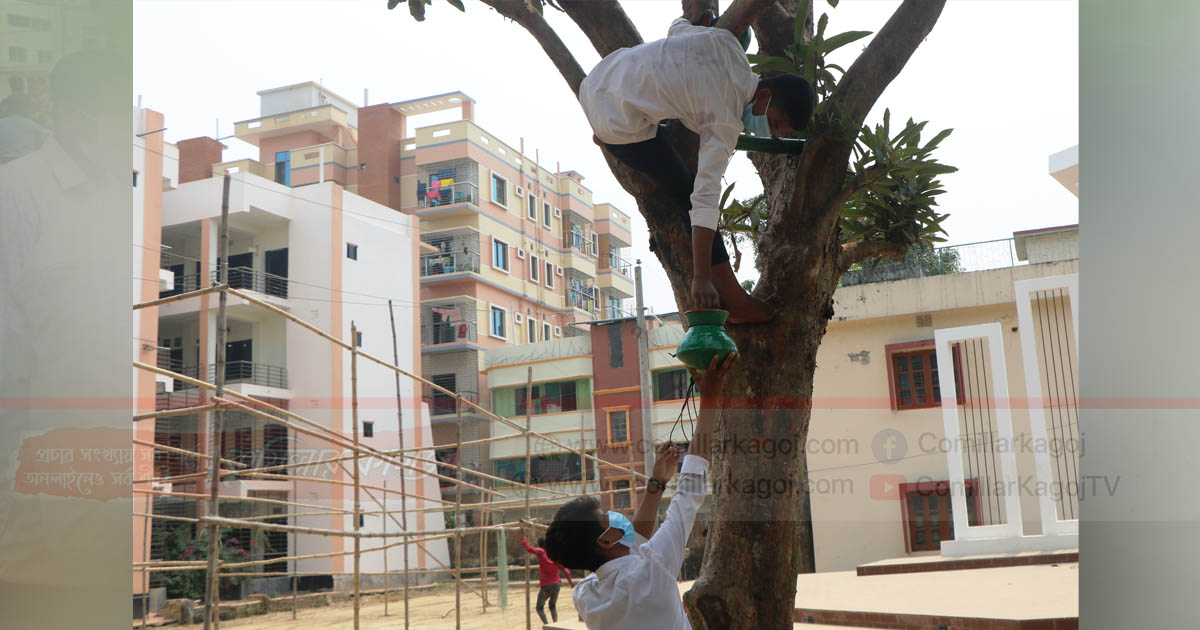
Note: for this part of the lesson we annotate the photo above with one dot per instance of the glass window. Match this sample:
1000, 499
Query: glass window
671, 384
499, 254
618, 426
499, 322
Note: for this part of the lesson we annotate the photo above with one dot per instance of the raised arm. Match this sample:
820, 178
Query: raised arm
664, 468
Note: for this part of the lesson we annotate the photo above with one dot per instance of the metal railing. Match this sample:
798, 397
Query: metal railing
183, 284
252, 280
449, 262
448, 332
580, 299
458, 192
617, 264
919, 263
252, 373
443, 404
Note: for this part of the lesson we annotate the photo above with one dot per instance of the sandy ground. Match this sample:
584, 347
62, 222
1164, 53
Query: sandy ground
426, 612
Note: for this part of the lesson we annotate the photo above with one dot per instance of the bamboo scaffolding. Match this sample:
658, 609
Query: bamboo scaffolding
357, 468
403, 475
183, 451
182, 296
529, 479
458, 521
167, 413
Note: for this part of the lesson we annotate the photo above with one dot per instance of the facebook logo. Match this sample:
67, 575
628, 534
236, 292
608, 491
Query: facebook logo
889, 446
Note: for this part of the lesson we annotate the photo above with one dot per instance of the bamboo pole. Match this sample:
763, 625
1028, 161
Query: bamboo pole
182, 296
317, 531
385, 555
295, 548
403, 474
183, 451
528, 479
146, 534
182, 411
212, 595
357, 468
191, 495
458, 522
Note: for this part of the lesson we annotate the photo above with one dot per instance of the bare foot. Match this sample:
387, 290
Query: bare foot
750, 310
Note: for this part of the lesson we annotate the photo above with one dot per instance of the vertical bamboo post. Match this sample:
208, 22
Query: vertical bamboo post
211, 592
295, 550
458, 563
528, 481
632, 473
146, 535
403, 473
354, 423
385, 550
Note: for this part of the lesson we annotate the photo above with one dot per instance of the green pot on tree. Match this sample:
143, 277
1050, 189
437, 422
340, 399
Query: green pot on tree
704, 339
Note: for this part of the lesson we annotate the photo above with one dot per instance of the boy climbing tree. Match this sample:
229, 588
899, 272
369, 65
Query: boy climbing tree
634, 568
699, 76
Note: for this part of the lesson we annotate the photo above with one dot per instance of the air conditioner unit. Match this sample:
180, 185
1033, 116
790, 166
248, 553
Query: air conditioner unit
557, 270
520, 253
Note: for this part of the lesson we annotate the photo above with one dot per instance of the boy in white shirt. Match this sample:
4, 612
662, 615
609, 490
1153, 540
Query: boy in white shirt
633, 583
699, 76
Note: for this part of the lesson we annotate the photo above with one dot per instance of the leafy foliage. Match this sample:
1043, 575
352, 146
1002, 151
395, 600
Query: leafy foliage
896, 184
417, 7
808, 60
180, 544
919, 261
741, 223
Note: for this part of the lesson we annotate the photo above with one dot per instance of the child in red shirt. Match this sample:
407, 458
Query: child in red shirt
547, 578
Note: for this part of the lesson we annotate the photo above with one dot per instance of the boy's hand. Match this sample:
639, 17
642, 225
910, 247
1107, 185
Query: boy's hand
712, 381
704, 294
666, 462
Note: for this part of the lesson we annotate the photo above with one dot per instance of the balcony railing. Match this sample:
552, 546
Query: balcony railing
252, 373
920, 263
444, 404
459, 192
183, 284
447, 332
449, 262
617, 264
252, 280
580, 299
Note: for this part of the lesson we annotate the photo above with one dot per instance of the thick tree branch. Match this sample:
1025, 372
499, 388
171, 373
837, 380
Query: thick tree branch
886, 56
604, 22
693, 10
866, 250
742, 13
774, 30
522, 13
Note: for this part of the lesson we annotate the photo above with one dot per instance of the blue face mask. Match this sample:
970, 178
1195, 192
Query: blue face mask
618, 520
755, 125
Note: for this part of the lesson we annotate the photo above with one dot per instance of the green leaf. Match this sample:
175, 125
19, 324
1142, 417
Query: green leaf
725, 195
801, 18
833, 3
821, 24
937, 139
841, 39
416, 8
457, 4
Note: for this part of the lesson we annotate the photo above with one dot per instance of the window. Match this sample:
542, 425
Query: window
622, 500
499, 254
351, 251
368, 429
135, 179
283, 171
550, 468
499, 322
358, 336
549, 274
16, 54
444, 403
618, 426
551, 397
546, 220
927, 513
913, 375
545, 330
531, 326
671, 384
532, 203
595, 244
499, 190
534, 264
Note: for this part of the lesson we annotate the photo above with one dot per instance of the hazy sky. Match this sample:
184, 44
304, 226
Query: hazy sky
1003, 74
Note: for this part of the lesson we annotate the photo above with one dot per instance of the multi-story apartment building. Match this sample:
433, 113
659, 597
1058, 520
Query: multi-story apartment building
302, 240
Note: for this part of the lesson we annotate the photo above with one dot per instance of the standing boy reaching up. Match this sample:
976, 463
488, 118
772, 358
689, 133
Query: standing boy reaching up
634, 568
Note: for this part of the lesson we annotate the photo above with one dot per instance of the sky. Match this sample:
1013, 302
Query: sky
1003, 74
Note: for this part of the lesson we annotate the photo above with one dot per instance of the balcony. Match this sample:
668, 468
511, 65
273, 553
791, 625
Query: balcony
581, 299
449, 262
251, 374
451, 332
615, 275
445, 405
251, 280
431, 197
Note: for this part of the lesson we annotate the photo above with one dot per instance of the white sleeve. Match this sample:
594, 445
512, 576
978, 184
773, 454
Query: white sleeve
671, 538
717, 144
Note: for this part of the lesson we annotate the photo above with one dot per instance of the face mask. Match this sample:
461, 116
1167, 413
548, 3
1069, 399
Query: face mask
618, 520
755, 125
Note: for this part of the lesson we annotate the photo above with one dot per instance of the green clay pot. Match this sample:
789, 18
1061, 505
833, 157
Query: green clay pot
704, 339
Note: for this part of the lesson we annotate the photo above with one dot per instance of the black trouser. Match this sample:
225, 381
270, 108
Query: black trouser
548, 592
657, 159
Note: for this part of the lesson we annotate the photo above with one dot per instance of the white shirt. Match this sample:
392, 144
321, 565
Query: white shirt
698, 75
639, 591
